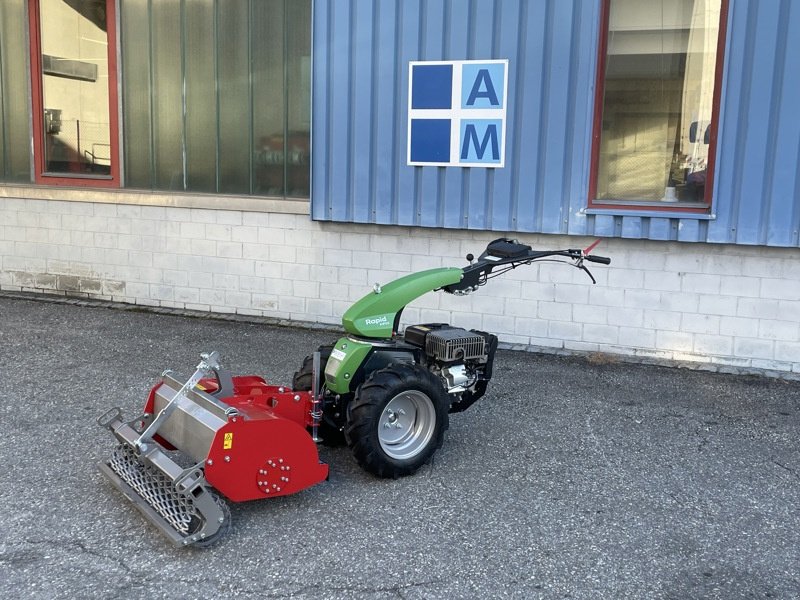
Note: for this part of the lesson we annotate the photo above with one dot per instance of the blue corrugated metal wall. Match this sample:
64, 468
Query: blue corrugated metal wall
758, 184
360, 102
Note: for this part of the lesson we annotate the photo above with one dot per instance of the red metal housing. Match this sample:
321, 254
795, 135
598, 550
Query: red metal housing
265, 450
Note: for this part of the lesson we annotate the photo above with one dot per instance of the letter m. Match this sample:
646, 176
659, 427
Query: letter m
471, 139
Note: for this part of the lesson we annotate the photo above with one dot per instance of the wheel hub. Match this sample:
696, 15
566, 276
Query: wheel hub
407, 424
393, 419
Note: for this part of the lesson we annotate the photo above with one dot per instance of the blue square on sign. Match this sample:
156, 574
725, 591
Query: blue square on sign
430, 140
432, 86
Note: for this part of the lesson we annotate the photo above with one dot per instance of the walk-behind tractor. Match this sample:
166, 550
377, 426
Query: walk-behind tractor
214, 437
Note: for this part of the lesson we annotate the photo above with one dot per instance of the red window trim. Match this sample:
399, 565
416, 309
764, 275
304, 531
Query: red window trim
605, 9
38, 105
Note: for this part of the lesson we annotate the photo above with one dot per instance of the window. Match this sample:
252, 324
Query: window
217, 96
15, 165
656, 110
214, 95
73, 84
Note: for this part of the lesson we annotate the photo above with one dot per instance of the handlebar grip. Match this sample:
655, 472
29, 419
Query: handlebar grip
603, 260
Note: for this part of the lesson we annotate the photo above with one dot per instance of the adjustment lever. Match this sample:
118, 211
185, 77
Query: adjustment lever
582, 267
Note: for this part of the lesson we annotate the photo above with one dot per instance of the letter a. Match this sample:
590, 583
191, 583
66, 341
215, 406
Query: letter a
483, 78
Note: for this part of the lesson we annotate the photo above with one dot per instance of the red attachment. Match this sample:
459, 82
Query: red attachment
266, 450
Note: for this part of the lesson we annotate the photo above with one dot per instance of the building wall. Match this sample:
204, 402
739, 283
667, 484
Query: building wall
361, 51
711, 304
719, 306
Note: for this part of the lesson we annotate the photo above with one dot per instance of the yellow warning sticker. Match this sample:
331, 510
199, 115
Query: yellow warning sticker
227, 443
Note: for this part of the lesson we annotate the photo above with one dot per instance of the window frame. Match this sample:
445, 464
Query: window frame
625, 206
40, 174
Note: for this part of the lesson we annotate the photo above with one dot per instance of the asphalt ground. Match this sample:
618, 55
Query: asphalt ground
571, 478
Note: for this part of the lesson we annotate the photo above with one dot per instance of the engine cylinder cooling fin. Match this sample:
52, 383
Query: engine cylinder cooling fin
455, 344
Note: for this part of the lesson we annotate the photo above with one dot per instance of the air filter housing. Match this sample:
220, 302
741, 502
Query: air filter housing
451, 344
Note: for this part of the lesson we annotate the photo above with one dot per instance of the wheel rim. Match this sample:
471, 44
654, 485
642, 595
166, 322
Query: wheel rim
407, 424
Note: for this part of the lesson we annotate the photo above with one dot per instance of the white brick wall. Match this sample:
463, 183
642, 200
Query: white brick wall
720, 306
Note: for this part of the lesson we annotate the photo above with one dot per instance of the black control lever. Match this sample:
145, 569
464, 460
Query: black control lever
603, 260
582, 267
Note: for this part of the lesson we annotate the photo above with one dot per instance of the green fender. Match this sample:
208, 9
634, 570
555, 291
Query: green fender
374, 317
375, 314
345, 359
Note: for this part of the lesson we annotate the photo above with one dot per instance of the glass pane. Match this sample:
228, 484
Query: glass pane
658, 101
136, 93
268, 97
211, 88
167, 95
77, 138
234, 96
299, 99
201, 97
15, 157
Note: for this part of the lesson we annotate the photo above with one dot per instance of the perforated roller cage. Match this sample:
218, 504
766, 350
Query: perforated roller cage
158, 491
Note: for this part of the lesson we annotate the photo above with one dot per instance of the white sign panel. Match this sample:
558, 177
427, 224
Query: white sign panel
457, 113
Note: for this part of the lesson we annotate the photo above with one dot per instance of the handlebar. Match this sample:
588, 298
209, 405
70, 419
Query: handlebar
509, 254
603, 260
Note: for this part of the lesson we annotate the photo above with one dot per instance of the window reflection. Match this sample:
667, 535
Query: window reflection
74, 46
658, 100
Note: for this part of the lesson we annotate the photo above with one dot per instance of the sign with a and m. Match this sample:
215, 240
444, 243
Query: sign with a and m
457, 113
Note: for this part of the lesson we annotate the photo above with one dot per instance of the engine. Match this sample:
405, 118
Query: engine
462, 358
